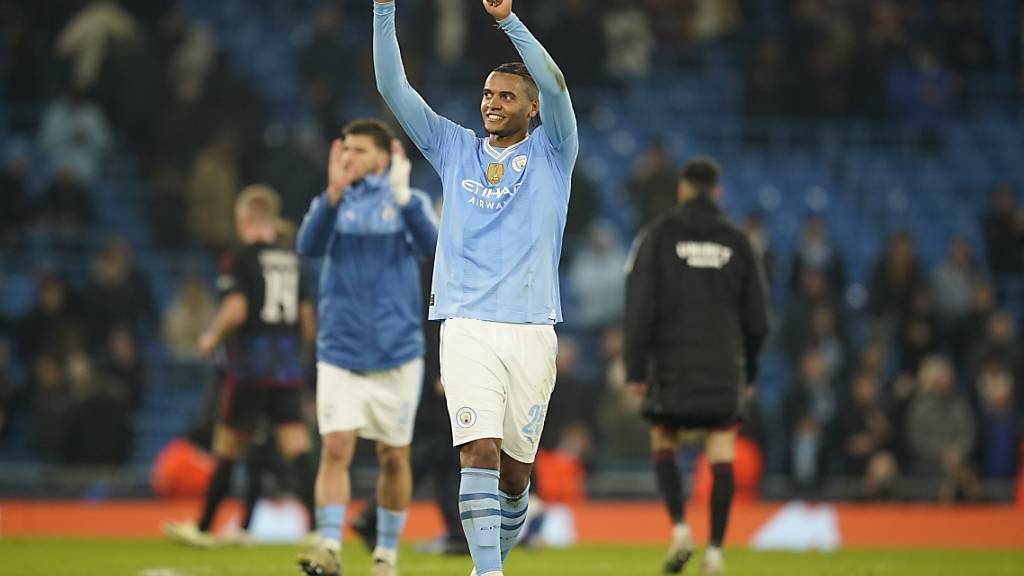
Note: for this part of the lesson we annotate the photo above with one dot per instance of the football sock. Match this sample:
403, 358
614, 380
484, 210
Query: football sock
328, 524
389, 528
220, 483
480, 510
670, 483
721, 500
513, 517
304, 476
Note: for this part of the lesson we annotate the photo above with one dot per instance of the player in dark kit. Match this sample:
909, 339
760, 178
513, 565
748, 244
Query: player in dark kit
265, 318
696, 318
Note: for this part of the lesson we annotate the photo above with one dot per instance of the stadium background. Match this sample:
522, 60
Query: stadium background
872, 149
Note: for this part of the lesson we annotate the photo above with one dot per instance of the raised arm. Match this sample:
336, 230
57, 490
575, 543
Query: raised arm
416, 118
555, 105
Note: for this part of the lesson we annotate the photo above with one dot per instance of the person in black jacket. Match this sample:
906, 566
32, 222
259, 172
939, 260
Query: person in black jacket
696, 317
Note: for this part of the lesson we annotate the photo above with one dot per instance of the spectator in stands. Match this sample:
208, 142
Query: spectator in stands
56, 314
753, 225
15, 205
895, 279
67, 208
8, 390
74, 133
124, 365
212, 184
918, 335
89, 36
818, 251
187, 317
97, 428
629, 41
941, 431
330, 59
652, 184
596, 274
998, 432
50, 403
573, 401
867, 434
952, 289
798, 325
997, 348
1004, 233
582, 210
623, 431
118, 293
810, 414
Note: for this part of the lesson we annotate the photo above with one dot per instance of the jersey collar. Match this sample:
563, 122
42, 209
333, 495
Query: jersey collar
500, 154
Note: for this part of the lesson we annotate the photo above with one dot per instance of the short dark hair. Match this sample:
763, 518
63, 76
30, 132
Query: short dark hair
519, 69
375, 129
701, 174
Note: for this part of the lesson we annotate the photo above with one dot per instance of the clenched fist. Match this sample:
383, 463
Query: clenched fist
499, 9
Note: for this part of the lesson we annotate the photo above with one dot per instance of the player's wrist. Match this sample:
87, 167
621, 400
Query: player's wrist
508, 21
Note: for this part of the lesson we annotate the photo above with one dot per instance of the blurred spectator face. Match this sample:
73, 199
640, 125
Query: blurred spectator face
123, 350
1003, 200
824, 321
813, 283
52, 294
612, 342
80, 372
46, 372
602, 238
565, 362
812, 367
193, 294
937, 376
326, 17
872, 358
960, 253
865, 389
1000, 327
982, 296
996, 387
901, 249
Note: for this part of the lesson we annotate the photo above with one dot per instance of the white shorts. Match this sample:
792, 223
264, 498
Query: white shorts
497, 381
380, 405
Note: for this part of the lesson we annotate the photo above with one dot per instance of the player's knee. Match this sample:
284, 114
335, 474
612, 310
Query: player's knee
336, 450
483, 453
392, 460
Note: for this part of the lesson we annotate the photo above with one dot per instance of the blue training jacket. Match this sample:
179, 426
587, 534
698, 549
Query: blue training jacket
370, 303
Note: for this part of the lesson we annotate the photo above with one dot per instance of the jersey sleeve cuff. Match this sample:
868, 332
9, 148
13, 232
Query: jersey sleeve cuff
383, 8
510, 22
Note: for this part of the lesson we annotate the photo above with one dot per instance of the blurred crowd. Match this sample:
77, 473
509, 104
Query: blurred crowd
921, 380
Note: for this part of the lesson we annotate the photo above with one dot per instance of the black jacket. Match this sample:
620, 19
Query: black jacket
696, 313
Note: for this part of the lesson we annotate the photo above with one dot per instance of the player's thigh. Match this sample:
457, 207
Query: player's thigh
393, 396
474, 380
719, 446
286, 415
228, 442
665, 438
340, 399
241, 407
531, 381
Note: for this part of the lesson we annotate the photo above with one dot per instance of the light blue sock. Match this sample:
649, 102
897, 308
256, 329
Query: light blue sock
389, 528
329, 520
513, 517
480, 510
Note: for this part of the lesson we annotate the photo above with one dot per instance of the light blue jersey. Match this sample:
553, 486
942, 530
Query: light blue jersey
500, 236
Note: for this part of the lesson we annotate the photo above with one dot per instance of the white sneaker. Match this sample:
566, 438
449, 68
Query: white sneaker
188, 533
680, 551
385, 562
237, 536
713, 564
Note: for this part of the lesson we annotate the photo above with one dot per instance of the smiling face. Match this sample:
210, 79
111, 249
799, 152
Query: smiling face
508, 104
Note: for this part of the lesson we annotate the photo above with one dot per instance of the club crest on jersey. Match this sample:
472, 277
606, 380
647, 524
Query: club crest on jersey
495, 172
388, 214
465, 417
519, 162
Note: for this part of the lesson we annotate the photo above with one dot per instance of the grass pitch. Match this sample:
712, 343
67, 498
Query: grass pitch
59, 557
